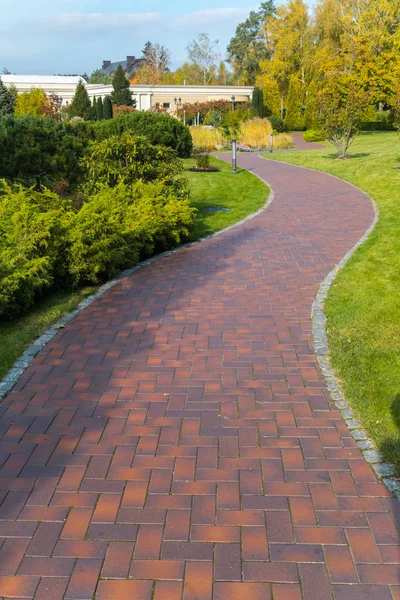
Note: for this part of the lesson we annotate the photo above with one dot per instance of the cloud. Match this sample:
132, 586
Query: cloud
212, 17
78, 22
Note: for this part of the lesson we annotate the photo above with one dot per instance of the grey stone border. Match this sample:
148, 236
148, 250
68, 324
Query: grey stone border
385, 471
22, 363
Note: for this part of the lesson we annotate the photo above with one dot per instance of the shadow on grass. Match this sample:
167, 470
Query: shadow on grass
390, 447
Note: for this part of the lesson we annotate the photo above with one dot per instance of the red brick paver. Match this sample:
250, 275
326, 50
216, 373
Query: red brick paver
176, 440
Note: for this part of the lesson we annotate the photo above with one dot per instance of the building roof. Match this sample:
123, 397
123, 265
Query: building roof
42, 79
130, 65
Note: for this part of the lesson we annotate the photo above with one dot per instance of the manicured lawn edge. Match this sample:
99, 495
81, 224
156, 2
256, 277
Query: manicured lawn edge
25, 359
384, 470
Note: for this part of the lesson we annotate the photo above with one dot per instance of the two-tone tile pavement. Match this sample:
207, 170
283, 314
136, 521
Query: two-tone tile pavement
176, 441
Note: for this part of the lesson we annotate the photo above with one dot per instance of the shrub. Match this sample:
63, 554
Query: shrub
255, 133
277, 124
213, 118
283, 141
32, 244
122, 110
203, 160
313, 135
204, 137
117, 227
128, 158
36, 150
158, 128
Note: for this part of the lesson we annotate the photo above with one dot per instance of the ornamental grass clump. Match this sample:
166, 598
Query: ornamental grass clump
283, 141
255, 133
207, 137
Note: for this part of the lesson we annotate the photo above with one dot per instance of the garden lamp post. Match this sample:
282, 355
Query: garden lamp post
234, 169
178, 104
233, 102
271, 142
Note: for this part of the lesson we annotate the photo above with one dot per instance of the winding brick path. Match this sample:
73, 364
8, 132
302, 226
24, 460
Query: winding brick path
177, 438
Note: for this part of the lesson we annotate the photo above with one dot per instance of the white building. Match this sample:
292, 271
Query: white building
146, 96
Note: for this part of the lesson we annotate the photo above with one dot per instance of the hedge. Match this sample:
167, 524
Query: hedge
37, 150
46, 245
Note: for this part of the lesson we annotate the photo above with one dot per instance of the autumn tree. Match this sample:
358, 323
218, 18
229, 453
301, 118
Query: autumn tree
7, 100
223, 74
311, 110
121, 94
294, 119
271, 94
30, 103
248, 47
80, 105
343, 104
203, 54
155, 65
289, 39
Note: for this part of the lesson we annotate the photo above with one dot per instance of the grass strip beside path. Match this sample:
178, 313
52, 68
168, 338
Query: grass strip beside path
243, 194
363, 304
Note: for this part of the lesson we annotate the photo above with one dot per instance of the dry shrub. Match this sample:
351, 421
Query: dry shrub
255, 133
282, 141
205, 137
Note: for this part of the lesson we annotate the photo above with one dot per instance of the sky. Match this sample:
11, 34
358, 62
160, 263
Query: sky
47, 37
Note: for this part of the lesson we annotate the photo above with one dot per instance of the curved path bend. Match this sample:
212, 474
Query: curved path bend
176, 440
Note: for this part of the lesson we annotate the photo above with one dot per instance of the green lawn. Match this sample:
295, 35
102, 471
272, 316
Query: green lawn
363, 305
17, 335
242, 194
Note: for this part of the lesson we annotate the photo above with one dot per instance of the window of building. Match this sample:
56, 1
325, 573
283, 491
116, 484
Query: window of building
166, 104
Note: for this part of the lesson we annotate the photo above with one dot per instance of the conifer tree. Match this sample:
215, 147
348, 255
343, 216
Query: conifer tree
294, 119
311, 112
80, 105
257, 103
121, 94
107, 108
271, 94
99, 109
7, 100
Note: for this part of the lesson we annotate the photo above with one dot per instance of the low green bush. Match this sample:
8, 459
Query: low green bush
277, 124
128, 158
32, 242
157, 128
117, 227
38, 151
311, 135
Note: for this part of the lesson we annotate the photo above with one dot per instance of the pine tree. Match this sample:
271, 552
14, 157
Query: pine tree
107, 108
7, 100
80, 105
121, 94
311, 112
294, 119
257, 103
99, 108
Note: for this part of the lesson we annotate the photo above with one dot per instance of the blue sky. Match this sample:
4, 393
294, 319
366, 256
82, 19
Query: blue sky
44, 37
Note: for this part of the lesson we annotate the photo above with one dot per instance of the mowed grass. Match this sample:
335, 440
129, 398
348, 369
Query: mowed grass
363, 305
18, 334
243, 194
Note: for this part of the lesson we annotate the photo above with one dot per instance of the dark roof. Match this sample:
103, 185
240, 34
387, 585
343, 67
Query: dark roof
130, 65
